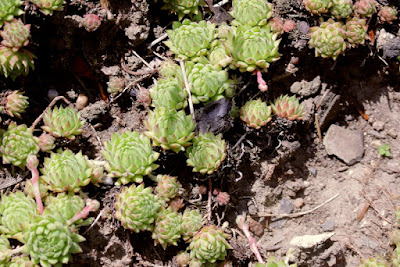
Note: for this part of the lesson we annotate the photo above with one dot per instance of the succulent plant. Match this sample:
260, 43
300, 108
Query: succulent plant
206, 82
50, 241
91, 22
48, 7
190, 40
65, 171
192, 223
169, 93
167, 187
46, 142
4, 248
15, 34
365, 8
168, 228
341, 8
9, 9
137, 208
29, 188
209, 245
115, 85
207, 153
21, 261
356, 31
169, 69
170, 129
373, 262
387, 14
317, 7
218, 55
129, 157
328, 39
182, 258
252, 48
223, 198
288, 107
255, 113
63, 122
16, 213
183, 7
251, 12
14, 64
67, 205
16, 103
18, 144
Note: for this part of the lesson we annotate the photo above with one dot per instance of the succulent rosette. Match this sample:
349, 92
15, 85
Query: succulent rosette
14, 64
137, 208
18, 144
328, 39
288, 107
9, 9
16, 213
169, 69
183, 7
218, 55
63, 122
167, 187
207, 153
129, 157
207, 82
21, 261
365, 8
341, 8
15, 34
168, 228
115, 85
16, 103
65, 171
192, 223
46, 142
317, 7
387, 14
255, 113
170, 129
4, 249
50, 241
91, 22
251, 12
252, 48
30, 191
182, 258
209, 245
356, 31
48, 7
189, 40
169, 93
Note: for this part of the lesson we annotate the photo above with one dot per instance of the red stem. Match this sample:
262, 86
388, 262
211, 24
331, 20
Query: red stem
35, 182
262, 85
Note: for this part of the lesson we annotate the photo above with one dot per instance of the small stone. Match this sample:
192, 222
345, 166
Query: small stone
81, 102
298, 202
52, 93
313, 171
310, 241
328, 226
286, 206
255, 227
346, 144
378, 125
392, 133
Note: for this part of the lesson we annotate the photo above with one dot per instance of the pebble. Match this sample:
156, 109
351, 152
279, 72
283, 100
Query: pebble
52, 93
328, 226
392, 133
255, 227
286, 206
298, 202
81, 102
378, 125
313, 171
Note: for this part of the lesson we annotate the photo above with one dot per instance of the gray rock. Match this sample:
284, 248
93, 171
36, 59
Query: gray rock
328, 226
388, 43
345, 144
305, 88
378, 125
329, 108
286, 206
392, 133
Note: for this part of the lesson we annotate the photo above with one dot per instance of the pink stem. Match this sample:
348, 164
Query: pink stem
262, 85
252, 241
35, 182
93, 205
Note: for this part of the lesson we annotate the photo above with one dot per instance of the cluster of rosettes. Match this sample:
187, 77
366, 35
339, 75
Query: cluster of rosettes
183, 7
256, 113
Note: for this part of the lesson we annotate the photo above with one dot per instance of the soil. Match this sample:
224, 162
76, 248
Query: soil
281, 168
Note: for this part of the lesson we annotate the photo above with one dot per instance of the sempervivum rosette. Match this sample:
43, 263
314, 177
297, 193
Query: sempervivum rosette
50, 241
387, 14
63, 122
9, 9
209, 245
252, 48
317, 7
21, 261
341, 8
328, 39
167, 187
16, 103
356, 31
15, 34
255, 113
169, 93
288, 107
192, 223
189, 40
170, 129
137, 208
4, 250
365, 8
15, 63
251, 12
168, 228
183, 7
129, 157
65, 171
18, 144
219, 56
47, 7
115, 85
16, 213
207, 153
